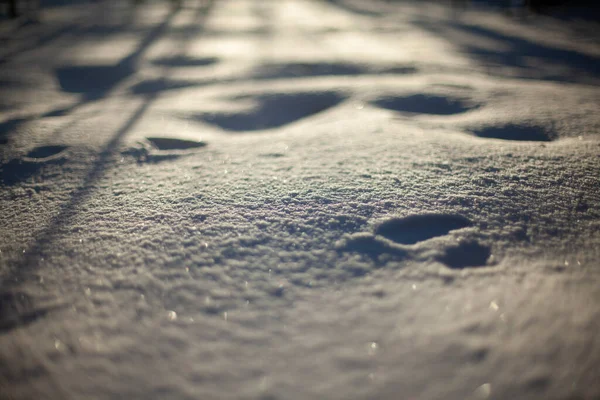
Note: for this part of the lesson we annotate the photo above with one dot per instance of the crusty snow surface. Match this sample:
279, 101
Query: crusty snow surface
299, 199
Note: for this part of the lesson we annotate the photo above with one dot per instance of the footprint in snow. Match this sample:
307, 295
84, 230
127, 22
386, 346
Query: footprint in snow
45, 153
183, 61
445, 105
20, 169
269, 111
517, 132
308, 69
426, 104
466, 254
157, 149
166, 143
416, 229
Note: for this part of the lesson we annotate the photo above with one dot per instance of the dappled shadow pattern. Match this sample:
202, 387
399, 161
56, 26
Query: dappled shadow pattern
353, 8
535, 56
59, 112
425, 104
41, 41
294, 70
8, 127
273, 71
515, 132
166, 143
273, 110
223, 33
151, 86
417, 228
306, 69
23, 270
466, 254
184, 61
524, 58
92, 79
13, 83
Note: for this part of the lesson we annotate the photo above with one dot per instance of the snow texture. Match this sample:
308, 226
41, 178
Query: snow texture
298, 199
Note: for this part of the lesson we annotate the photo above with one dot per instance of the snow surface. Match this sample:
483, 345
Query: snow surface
298, 199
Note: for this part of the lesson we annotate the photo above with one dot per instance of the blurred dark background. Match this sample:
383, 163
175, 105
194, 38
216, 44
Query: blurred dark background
566, 8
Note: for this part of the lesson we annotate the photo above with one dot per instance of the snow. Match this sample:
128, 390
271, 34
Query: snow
298, 199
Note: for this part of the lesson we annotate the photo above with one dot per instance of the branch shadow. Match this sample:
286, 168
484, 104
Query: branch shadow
10, 317
350, 7
274, 71
93, 82
40, 42
524, 58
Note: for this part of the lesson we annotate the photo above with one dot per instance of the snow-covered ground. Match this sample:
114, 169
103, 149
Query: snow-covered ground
299, 199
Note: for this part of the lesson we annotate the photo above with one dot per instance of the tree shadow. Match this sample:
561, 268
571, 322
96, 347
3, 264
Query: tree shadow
93, 82
353, 8
273, 71
314, 69
183, 61
165, 84
524, 58
81, 27
272, 110
41, 41
7, 127
10, 316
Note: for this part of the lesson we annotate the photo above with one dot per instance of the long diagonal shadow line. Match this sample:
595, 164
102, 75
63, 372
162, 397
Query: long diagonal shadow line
117, 73
518, 52
521, 48
10, 316
69, 210
11, 313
